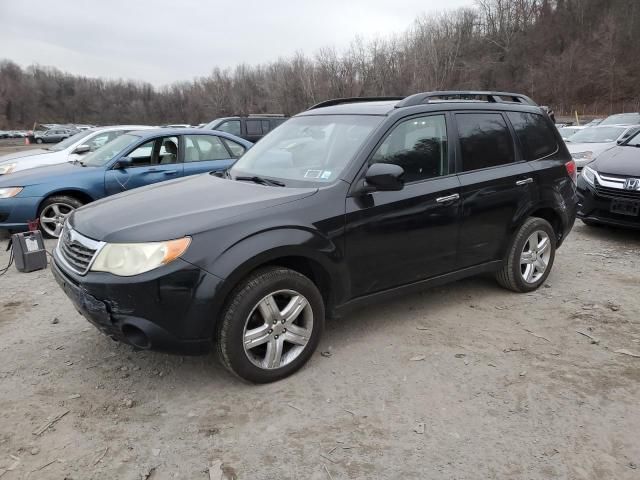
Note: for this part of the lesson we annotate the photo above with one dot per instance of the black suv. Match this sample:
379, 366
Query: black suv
251, 128
349, 200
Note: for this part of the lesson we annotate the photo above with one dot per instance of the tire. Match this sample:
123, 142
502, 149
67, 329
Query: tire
56, 208
38, 140
244, 313
521, 269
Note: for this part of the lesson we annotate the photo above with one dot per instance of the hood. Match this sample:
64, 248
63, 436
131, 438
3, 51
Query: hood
596, 148
48, 174
31, 161
623, 161
177, 208
23, 153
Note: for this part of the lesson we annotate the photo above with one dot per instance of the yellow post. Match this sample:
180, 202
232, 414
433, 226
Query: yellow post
577, 119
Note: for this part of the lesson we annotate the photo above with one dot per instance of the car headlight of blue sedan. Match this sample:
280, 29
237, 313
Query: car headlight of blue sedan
9, 192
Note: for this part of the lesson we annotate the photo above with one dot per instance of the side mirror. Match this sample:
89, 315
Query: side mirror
124, 162
384, 177
80, 149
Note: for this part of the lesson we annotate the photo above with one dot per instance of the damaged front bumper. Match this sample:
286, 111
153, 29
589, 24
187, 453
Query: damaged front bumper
162, 310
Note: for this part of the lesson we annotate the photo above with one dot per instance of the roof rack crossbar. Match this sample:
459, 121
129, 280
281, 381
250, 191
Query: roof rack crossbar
339, 101
453, 95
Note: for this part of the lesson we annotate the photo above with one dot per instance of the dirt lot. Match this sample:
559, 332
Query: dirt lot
466, 381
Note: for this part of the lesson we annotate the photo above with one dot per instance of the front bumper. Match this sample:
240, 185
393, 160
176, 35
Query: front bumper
168, 309
597, 208
16, 212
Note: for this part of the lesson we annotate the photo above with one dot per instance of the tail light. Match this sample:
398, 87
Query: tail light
572, 170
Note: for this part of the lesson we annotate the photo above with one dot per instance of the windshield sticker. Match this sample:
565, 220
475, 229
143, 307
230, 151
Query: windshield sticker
325, 175
313, 174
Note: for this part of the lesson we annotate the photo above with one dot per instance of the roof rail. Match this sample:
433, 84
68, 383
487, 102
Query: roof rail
276, 115
453, 95
339, 101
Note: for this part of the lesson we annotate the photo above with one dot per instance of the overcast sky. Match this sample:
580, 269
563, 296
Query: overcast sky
162, 41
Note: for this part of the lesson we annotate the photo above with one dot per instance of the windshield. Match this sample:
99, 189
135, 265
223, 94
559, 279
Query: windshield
567, 132
211, 124
70, 141
598, 135
108, 151
622, 119
308, 149
634, 141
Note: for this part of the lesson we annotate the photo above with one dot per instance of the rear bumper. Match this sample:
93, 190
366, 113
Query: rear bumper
595, 208
165, 310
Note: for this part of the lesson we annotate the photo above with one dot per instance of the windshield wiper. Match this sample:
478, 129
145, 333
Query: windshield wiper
261, 181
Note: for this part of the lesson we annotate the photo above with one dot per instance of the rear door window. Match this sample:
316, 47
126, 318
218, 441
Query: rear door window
485, 140
254, 127
201, 148
534, 133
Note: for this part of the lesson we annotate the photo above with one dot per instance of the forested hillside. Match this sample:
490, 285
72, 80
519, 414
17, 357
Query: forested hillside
570, 54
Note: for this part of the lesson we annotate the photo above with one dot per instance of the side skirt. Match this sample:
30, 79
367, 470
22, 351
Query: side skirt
358, 302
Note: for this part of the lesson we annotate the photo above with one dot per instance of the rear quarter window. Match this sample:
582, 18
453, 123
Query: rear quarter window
536, 137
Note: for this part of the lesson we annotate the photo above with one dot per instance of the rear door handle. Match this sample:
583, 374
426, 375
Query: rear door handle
524, 182
448, 198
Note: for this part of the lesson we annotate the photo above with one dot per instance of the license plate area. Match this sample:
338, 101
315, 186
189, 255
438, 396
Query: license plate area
625, 207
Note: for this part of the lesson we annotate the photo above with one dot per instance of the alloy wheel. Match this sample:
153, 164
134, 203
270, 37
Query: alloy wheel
53, 216
278, 329
535, 256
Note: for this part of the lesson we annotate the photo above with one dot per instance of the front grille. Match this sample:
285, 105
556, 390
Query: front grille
610, 192
76, 250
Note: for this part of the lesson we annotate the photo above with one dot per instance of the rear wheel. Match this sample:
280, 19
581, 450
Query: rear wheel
271, 325
53, 213
530, 257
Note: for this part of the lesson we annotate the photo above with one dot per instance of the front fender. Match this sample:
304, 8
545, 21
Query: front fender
267, 246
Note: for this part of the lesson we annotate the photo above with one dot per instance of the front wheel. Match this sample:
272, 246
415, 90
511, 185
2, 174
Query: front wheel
530, 257
271, 325
53, 213
38, 140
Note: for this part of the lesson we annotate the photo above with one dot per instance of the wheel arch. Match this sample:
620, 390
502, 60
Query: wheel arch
553, 217
80, 195
303, 250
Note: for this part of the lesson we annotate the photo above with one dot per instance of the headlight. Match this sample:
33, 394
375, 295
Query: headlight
582, 155
128, 259
7, 168
9, 192
589, 175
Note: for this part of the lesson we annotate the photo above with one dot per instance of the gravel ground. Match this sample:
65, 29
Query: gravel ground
466, 381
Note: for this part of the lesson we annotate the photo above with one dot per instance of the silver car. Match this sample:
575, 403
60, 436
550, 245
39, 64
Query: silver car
73, 148
587, 144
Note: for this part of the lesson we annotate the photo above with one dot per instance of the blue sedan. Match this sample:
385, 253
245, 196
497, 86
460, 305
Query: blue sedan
49, 194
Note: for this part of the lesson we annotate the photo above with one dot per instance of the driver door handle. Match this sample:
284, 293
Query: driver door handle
524, 182
448, 198
170, 172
